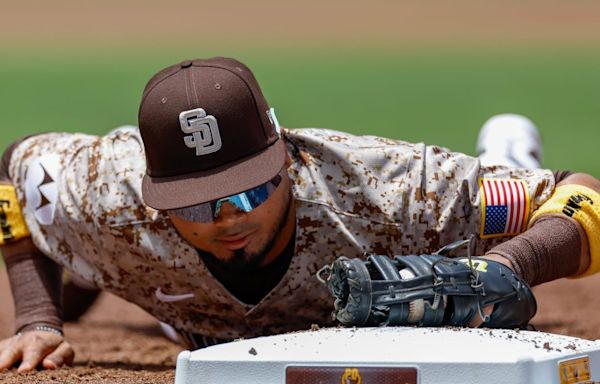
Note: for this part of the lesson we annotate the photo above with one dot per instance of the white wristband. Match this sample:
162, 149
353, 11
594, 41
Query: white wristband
43, 328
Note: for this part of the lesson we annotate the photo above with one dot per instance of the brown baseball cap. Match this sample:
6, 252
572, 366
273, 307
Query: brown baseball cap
208, 133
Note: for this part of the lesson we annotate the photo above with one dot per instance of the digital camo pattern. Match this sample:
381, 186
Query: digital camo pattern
353, 195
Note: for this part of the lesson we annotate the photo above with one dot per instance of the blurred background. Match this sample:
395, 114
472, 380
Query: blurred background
430, 71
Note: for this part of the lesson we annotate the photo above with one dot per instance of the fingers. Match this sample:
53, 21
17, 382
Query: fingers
10, 353
36, 346
31, 358
31, 348
476, 321
63, 355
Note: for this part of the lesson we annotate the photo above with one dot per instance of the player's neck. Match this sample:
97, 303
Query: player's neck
284, 236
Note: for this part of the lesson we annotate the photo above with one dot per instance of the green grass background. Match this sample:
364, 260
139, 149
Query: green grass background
436, 96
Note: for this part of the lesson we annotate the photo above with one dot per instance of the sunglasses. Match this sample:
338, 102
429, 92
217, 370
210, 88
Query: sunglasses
245, 201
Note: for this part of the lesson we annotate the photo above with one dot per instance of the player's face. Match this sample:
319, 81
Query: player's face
245, 239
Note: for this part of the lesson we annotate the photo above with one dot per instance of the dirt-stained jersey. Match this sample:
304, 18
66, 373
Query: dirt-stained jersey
81, 200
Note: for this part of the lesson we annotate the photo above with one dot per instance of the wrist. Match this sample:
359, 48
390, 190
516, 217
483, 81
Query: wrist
41, 327
497, 257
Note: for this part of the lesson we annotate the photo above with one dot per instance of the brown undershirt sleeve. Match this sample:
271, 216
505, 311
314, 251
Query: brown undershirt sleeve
561, 175
35, 280
549, 250
5, 160
36, 283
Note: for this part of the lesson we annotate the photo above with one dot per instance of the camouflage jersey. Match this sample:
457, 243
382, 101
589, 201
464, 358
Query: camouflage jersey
81, 198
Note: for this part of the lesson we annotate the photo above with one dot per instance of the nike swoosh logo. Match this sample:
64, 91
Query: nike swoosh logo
171, 298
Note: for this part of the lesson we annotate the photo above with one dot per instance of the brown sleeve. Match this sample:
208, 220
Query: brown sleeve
549, 250
561, 175
5, 161
35, 280
36, 283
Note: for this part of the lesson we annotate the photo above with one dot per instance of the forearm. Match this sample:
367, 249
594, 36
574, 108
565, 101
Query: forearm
555, 246
36, 283
549, 250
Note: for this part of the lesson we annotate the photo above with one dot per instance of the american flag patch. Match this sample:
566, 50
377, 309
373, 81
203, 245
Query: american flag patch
504, 207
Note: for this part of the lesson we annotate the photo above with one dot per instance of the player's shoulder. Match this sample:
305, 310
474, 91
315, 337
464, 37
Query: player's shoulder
123, 145
77, 181
331, 137
69, 149
346, 173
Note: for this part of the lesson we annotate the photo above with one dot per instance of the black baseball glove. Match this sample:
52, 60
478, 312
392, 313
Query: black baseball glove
427, 290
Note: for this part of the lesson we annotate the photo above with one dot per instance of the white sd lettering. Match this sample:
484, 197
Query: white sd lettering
202, 129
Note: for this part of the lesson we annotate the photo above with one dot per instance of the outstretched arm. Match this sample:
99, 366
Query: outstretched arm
36, 285
561, 241
557, 244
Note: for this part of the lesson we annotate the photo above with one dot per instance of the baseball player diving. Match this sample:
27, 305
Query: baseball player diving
222, 225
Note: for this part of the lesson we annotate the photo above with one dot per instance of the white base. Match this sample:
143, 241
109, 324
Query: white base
440, 356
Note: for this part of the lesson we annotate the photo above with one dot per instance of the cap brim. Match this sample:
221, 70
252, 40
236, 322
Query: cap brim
164, 193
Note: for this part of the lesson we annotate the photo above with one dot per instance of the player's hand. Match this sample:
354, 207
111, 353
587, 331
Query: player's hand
34, 348
477, 320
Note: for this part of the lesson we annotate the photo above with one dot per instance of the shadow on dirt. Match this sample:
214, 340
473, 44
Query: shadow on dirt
126, 366
146, 329
549, 324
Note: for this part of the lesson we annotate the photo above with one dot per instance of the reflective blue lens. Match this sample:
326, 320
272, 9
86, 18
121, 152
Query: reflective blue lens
245, 201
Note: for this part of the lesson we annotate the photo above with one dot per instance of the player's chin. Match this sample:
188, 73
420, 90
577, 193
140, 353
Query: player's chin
231, 254
243, 260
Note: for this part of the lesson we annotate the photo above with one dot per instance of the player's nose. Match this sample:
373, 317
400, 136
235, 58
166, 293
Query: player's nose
229, 213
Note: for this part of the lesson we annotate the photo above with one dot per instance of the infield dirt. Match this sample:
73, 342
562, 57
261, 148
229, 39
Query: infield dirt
116, 342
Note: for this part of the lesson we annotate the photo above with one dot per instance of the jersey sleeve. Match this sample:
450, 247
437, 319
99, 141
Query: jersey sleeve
496, 202
73, 187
